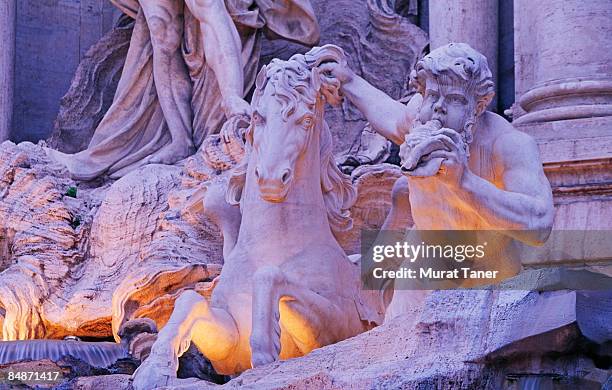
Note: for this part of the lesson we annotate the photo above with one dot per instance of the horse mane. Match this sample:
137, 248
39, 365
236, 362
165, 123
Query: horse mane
292, 81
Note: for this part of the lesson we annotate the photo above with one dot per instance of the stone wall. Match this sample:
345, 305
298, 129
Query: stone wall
51, 38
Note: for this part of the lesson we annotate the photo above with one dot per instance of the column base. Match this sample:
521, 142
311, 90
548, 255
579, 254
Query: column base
567, 99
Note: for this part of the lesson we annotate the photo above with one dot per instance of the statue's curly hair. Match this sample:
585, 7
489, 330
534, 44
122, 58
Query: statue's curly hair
457, 63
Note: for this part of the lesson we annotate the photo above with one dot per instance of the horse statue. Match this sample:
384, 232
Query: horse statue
286, 287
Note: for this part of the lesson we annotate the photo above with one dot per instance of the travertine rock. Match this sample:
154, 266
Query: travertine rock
115, 382
92, 89
64, 258
371, 148
40, 247
126, 250
440, 345
373, 184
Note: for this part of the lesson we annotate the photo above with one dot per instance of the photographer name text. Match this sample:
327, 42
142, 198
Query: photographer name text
433, 274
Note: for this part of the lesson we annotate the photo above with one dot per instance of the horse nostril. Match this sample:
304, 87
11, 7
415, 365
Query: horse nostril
257, 173
286, 176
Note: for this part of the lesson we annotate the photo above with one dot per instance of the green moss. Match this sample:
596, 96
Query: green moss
71, 192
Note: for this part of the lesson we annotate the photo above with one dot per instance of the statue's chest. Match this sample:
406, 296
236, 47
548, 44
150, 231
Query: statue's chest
482, 163
436, 206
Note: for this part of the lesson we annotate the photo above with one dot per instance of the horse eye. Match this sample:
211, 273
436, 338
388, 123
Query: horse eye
257, 118
306, 122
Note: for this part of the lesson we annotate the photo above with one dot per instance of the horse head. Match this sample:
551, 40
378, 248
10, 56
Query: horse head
288, 118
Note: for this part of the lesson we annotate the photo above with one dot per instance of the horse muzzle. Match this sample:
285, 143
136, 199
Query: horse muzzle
274, 187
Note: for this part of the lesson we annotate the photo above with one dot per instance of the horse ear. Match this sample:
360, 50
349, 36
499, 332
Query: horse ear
248, 135
315, 79
260, 81
236, 182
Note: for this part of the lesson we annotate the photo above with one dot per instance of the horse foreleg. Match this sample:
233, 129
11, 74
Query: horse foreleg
191, 319
310, 319
268, 284
313, 321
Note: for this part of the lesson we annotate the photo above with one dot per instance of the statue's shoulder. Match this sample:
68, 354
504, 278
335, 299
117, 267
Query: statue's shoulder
504, 134
508, 142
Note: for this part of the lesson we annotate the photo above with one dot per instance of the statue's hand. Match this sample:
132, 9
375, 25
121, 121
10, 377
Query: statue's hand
234, 128
335, 71
455, 162
238, 112
236, 106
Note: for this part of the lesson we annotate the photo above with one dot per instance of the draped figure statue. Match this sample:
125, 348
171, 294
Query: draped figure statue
189, 65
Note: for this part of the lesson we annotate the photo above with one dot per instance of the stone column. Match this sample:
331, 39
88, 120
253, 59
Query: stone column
7, 65
563, 86
567, 51
474, 22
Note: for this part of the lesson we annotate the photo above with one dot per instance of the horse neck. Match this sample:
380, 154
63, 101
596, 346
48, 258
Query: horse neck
303, 214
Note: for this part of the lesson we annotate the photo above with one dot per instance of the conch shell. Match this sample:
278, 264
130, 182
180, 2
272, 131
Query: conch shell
417, 147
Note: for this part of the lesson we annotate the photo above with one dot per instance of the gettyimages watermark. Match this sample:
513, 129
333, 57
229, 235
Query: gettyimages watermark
450, 259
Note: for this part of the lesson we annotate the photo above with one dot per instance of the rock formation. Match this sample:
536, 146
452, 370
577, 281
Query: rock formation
66, 256
92, 89
441, 345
